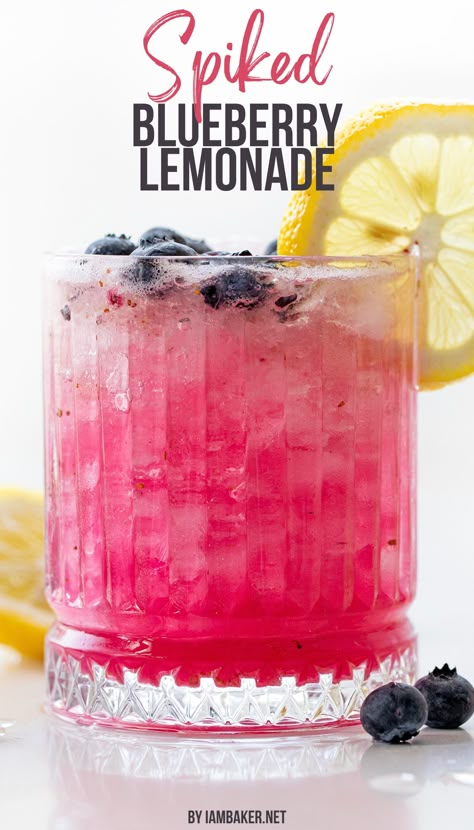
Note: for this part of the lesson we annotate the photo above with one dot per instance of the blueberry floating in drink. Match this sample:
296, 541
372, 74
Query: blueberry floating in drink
238, 286
146, 272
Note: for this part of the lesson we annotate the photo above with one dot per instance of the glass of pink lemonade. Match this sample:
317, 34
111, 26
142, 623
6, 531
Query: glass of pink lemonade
230, 476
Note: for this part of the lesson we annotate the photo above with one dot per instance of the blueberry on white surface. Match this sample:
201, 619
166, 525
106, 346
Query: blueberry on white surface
449, 696
111, 245
394, 713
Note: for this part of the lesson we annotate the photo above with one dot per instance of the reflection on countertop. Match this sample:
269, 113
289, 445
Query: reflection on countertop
205, 759
404, 769
88, 778
105, 778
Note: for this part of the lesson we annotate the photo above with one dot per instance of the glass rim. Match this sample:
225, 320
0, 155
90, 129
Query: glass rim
310, 259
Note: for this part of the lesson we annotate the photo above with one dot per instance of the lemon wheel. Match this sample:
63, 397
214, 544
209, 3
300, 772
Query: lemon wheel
24, 614
404, 174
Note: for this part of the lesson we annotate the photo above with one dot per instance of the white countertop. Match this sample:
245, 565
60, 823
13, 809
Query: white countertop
54, 776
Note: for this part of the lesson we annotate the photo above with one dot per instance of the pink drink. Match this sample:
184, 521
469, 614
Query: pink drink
230, 486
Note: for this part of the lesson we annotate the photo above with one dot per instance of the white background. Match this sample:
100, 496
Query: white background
70, 73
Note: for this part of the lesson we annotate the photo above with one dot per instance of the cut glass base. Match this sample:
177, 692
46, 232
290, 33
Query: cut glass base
91, 696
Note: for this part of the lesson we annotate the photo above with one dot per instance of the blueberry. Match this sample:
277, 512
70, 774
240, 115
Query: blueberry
271, 248
450, 698
394, 713
145, 272
111, 245
200, 246
154, 234
282, 302
164, 247
238, 286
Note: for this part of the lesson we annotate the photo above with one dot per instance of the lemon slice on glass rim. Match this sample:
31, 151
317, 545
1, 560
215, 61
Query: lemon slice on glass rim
24, 614
404, 174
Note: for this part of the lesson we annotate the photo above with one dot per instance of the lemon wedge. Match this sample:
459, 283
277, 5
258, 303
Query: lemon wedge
404, 174
24, 614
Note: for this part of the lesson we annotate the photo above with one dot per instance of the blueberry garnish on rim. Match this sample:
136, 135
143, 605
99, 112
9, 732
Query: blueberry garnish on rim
394, 713
111, 245
200, 246
164, 247
237, 286
155, 234
449, 696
